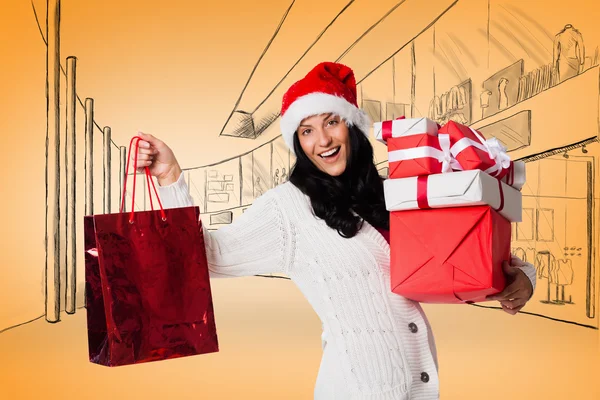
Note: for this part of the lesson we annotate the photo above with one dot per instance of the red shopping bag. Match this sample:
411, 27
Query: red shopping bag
148, 294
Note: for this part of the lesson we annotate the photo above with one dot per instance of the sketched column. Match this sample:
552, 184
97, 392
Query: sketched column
106, 151
122, 172
70, 165
89, 156
52, 239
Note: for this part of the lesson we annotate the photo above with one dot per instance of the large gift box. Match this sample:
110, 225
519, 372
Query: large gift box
413, 146
448, 255
454, 189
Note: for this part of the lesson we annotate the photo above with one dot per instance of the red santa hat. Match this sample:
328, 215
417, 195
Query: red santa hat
327, 88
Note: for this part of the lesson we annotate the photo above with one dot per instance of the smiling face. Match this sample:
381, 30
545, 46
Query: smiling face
325, 140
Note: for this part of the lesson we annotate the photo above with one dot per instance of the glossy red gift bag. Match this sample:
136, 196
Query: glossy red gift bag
148, 294
448, 255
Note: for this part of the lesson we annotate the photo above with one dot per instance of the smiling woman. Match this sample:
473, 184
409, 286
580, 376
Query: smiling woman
335, 168
326, 228
325, 141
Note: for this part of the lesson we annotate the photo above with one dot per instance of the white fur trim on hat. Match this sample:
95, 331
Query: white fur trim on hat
321, 103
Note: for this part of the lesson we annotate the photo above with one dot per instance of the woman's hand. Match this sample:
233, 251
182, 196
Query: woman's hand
159, 158
518, 289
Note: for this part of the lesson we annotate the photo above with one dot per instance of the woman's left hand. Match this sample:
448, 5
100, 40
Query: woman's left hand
517, 292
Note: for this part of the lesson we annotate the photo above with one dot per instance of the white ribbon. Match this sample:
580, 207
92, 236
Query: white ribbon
415, 153
449, 162
497, 152
493, 147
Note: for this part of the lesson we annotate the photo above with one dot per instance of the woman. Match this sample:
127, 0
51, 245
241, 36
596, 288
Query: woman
327, 230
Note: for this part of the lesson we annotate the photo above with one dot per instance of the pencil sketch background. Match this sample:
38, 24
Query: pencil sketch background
208, 78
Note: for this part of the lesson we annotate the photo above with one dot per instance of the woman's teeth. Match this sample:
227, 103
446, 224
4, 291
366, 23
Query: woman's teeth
330, 152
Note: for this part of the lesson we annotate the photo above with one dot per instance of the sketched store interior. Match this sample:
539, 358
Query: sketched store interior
536, 90
547, 116
545, 110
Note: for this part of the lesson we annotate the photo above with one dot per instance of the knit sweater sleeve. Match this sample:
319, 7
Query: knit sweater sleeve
259, 241
527, 268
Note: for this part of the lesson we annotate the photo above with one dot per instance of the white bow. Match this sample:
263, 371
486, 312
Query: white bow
497, 152
449, 163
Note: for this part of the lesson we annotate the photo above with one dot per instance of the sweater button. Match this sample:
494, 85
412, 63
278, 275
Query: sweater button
413, 327
425, 377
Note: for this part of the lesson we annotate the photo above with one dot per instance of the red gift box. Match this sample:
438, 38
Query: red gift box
414, 155
448, 255
470, 149
413, 147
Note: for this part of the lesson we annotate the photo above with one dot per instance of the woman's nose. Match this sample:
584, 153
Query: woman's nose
324, 138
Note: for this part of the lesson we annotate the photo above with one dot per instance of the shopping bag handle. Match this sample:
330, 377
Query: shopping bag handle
148, 179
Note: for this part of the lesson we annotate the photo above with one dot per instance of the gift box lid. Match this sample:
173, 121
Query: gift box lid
405, 127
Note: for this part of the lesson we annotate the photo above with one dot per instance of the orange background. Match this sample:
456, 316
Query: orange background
176, 70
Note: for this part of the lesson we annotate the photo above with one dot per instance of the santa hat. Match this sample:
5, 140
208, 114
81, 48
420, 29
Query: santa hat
327, 88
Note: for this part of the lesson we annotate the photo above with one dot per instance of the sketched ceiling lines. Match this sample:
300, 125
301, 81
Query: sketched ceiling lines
247, 119
319, 36
237, 103
317, 39
37, 21
517, 24
358, 82
365, 33
409, 41
451, 60
513, 29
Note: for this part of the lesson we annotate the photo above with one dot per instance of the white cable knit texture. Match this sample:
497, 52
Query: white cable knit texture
369, 348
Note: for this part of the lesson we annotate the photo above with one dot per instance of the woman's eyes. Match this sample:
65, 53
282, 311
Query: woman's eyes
329, 123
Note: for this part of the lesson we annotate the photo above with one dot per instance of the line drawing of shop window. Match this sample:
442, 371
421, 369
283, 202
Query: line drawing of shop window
501, 90
453, 105
225, 217
394, 110
373, 109
218, 197
558, 273
213, 173
525, 228
215, 185
228, 178
545, 225
229, 187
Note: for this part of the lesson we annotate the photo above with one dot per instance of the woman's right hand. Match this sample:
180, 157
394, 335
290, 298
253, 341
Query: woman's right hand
158, 157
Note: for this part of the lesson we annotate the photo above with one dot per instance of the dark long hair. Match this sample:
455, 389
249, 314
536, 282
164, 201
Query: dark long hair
358, 189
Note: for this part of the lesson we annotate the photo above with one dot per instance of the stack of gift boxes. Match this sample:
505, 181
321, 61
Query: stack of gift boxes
452, 196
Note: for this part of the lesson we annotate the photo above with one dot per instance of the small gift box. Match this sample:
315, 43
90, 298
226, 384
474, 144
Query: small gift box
413, 147
472, 151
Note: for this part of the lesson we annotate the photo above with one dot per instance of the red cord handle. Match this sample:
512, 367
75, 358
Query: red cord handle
148, 179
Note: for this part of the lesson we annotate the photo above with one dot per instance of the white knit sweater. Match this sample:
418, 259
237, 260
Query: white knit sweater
376, 344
